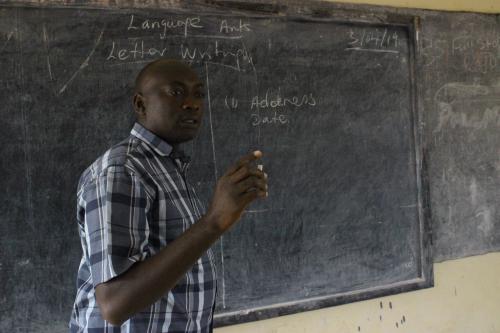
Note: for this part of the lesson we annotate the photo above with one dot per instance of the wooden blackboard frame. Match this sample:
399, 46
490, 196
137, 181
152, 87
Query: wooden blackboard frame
330, 13
426, 278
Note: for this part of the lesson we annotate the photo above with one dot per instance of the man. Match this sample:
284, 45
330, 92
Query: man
146, 264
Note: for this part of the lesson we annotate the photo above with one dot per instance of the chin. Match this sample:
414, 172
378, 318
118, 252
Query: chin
182, 138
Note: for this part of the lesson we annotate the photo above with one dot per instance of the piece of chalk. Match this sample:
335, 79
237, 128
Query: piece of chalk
260, 167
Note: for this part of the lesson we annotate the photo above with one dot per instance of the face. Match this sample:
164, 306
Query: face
170, 103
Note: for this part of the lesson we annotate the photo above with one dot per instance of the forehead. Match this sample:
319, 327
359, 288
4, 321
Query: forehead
174, 75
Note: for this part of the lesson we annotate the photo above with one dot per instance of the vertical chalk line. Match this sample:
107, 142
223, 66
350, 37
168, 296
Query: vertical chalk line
46, 44
216, 178
9, 36
257, 85
27, 154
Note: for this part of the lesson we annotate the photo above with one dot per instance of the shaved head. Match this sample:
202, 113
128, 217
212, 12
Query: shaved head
159, 67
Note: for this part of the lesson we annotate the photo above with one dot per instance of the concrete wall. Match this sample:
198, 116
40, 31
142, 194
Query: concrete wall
465, 299
485, 6
466, 296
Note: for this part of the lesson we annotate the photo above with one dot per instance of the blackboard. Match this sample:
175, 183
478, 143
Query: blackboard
337, 97
461, 67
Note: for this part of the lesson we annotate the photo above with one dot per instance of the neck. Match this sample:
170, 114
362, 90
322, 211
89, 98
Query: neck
175, 145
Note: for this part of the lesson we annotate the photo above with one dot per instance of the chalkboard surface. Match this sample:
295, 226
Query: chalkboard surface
461, 67
333, 95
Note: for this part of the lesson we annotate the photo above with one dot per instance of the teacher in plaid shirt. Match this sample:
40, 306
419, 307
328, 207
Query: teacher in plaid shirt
147, 264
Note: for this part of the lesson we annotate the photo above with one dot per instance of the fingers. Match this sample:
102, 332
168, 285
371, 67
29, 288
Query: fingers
244, 161
252, 195
247, 180
252, 184
245, 172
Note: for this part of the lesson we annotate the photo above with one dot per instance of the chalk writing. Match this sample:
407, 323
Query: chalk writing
137, 51
84, 64
451, 99
9, 36
373, 40
46, 45
408, 264
185, 26
164, 25
453, 91
453, 119
228, 28
233, 56
230, 102
473, 54
277, 100
433, 50
462, 44
480, 62
276, 103
225, 48
275, 118
479, 53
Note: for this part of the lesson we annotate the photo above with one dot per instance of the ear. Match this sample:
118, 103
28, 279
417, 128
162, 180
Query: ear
139, 105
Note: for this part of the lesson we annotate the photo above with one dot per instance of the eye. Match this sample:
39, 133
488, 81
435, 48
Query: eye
176, 92
200, 94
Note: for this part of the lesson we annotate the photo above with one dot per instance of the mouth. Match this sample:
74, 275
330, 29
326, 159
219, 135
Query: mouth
190, 123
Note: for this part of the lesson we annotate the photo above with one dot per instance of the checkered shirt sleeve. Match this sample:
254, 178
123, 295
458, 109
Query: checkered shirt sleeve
116, 207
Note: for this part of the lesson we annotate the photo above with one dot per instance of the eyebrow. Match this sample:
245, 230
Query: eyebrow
198, 85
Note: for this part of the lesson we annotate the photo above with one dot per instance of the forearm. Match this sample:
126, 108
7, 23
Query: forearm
145, 282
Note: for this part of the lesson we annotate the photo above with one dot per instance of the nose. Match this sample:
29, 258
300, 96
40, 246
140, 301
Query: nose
189, 104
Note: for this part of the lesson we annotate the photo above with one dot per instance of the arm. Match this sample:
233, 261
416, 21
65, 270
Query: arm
148, 280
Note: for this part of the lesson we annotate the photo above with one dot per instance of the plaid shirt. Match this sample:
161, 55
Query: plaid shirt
132, 202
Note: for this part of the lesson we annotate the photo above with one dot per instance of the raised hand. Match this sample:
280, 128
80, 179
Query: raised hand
236, 189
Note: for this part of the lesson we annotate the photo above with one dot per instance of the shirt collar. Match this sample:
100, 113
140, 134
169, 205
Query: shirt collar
158, 144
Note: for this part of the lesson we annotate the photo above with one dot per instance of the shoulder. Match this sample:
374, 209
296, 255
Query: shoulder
117, 159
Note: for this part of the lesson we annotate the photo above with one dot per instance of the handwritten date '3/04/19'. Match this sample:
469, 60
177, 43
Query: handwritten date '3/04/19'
373, 40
